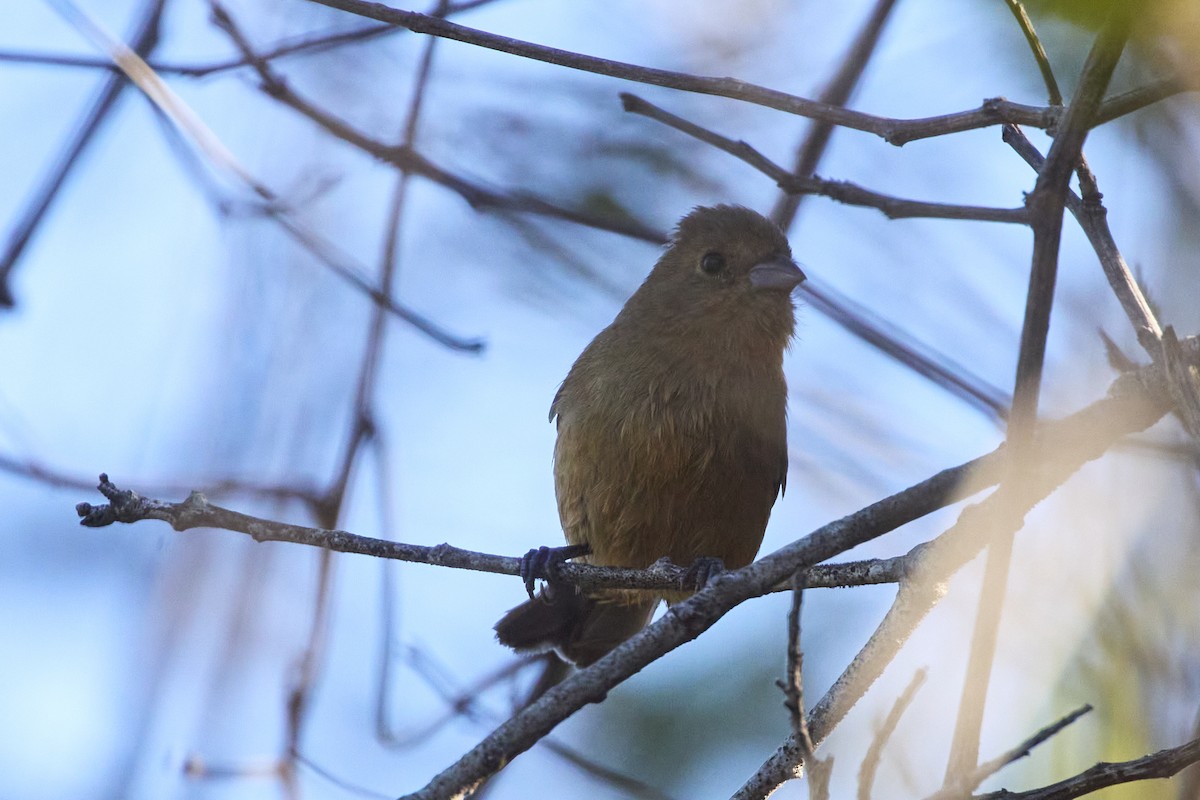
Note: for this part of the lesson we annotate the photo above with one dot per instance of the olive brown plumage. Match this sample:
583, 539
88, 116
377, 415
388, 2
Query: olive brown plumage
672, 438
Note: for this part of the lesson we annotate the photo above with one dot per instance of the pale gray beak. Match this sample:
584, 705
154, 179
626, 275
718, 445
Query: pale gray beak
777, 273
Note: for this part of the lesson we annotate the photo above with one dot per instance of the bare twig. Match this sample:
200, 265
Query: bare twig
793, 685
1039, 52
197, 512
1046, 203
989, 768
819, 769
312, 43
842, 191
874, 754
1093, 219
1162, 764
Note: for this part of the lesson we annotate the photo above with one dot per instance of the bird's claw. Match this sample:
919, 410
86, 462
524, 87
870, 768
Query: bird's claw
543, 562
702, 570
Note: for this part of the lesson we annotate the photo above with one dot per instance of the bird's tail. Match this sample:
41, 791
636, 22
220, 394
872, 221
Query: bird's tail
582, 628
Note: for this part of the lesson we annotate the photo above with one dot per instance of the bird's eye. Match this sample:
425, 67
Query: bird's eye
712, 263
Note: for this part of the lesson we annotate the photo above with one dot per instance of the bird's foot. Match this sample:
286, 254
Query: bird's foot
543, 562
702, 570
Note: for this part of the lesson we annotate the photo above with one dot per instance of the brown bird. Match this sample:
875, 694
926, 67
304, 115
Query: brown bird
672, 438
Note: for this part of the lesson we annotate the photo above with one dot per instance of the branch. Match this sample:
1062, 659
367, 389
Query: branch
842, 191
1162, 764
894, 131
987, 769
197, 512
1039, 52
313, 43
1093, 219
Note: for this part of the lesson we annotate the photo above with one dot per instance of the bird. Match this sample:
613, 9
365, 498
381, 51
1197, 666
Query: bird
671, 430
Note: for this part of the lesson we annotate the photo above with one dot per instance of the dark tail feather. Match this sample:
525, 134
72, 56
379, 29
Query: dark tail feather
581, 628
544, 622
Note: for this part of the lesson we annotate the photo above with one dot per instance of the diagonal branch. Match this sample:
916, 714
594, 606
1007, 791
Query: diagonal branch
989, 768
1093, 219
807, 183
874, 754
1162, 764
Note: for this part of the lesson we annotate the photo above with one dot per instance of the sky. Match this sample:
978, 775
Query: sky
166, 331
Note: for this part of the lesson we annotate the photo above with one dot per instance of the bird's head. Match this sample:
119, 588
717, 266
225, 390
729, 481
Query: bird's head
727, 269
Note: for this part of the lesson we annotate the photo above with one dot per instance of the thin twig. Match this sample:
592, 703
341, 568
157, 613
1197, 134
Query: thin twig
1163, 764
989, 768
1039, 53
819, 770
312, 43
1093, 219
793, 685
883, 733
842, 191
941, 371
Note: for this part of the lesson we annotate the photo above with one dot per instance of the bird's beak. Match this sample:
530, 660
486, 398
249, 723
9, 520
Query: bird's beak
776, 273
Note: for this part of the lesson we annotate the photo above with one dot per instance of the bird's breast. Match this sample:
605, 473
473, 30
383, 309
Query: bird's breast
671, 463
